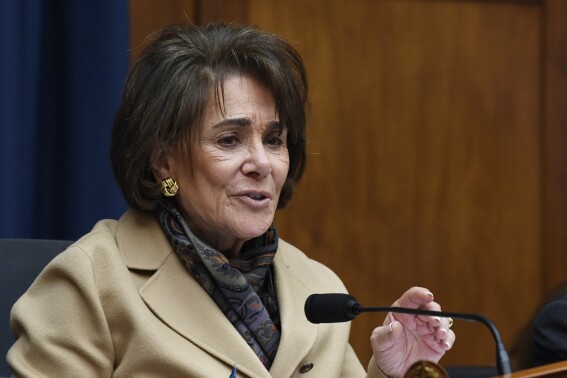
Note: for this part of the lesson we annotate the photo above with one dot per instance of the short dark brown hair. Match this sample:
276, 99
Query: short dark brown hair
168, 88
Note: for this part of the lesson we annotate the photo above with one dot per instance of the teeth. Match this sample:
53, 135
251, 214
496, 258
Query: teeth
256, 196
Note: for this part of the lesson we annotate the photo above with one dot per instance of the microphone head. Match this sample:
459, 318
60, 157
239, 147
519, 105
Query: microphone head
330, 308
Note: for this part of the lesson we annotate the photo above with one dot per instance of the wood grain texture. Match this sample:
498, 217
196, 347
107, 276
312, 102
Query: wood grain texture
424, 155
232, 11
555, 145
147, 16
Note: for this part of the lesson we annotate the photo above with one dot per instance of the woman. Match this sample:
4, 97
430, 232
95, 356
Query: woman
193, 280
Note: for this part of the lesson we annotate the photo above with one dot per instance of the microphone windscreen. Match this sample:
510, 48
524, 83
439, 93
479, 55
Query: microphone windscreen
330, 308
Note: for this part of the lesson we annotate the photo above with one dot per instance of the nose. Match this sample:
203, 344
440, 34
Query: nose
258, 162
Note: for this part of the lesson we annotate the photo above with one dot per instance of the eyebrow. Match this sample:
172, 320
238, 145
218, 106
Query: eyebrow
243, 122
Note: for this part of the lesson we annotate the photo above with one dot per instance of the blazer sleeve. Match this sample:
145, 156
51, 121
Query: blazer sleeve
351, 366
550, 333
60, 325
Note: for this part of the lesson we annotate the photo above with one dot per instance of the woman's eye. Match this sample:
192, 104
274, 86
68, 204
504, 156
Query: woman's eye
228, 140
275, 140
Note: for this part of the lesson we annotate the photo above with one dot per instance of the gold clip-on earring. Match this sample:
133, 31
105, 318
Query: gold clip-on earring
169, 187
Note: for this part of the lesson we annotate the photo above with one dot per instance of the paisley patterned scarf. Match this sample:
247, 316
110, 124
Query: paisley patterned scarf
241, 287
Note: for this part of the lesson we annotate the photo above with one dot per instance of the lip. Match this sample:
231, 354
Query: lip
245, 196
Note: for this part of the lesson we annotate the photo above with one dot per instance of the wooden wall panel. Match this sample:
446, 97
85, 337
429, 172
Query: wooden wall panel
223, 10
436, 148
147, 16
555, 144
424, 154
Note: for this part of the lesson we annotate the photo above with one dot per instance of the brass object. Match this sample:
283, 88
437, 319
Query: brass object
426, 369
169, 187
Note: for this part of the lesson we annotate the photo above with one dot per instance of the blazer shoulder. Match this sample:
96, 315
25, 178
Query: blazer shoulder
136, 238
312, 272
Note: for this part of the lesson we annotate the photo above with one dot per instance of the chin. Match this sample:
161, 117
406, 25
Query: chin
252, 229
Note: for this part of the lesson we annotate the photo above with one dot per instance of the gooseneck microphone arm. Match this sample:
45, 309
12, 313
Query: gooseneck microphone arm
338, 307
502, 359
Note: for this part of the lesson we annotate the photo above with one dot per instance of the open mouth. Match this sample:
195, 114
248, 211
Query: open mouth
256, 197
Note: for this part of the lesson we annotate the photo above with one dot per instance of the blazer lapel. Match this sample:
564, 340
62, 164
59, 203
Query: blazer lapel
298, 334
180, 302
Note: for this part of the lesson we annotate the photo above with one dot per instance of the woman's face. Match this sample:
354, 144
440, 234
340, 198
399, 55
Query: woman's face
240, 164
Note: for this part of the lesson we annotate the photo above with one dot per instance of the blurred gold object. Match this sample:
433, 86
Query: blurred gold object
426, 369
169, 187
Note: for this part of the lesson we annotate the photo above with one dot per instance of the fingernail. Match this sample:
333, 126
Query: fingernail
437, 319
447, 345
443, 330
430, 294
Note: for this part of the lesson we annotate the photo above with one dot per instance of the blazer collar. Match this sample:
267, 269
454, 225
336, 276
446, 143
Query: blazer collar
180, 301
141, 241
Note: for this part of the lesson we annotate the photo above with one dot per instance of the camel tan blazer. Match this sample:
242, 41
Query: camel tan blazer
119, 303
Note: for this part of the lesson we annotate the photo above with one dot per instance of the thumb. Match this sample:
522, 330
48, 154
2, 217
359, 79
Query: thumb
383, 337
388, 353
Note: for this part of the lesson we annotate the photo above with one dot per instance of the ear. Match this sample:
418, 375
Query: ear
162, 169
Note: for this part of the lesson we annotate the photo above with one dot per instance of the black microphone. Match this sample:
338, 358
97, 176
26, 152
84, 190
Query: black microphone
338, 307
